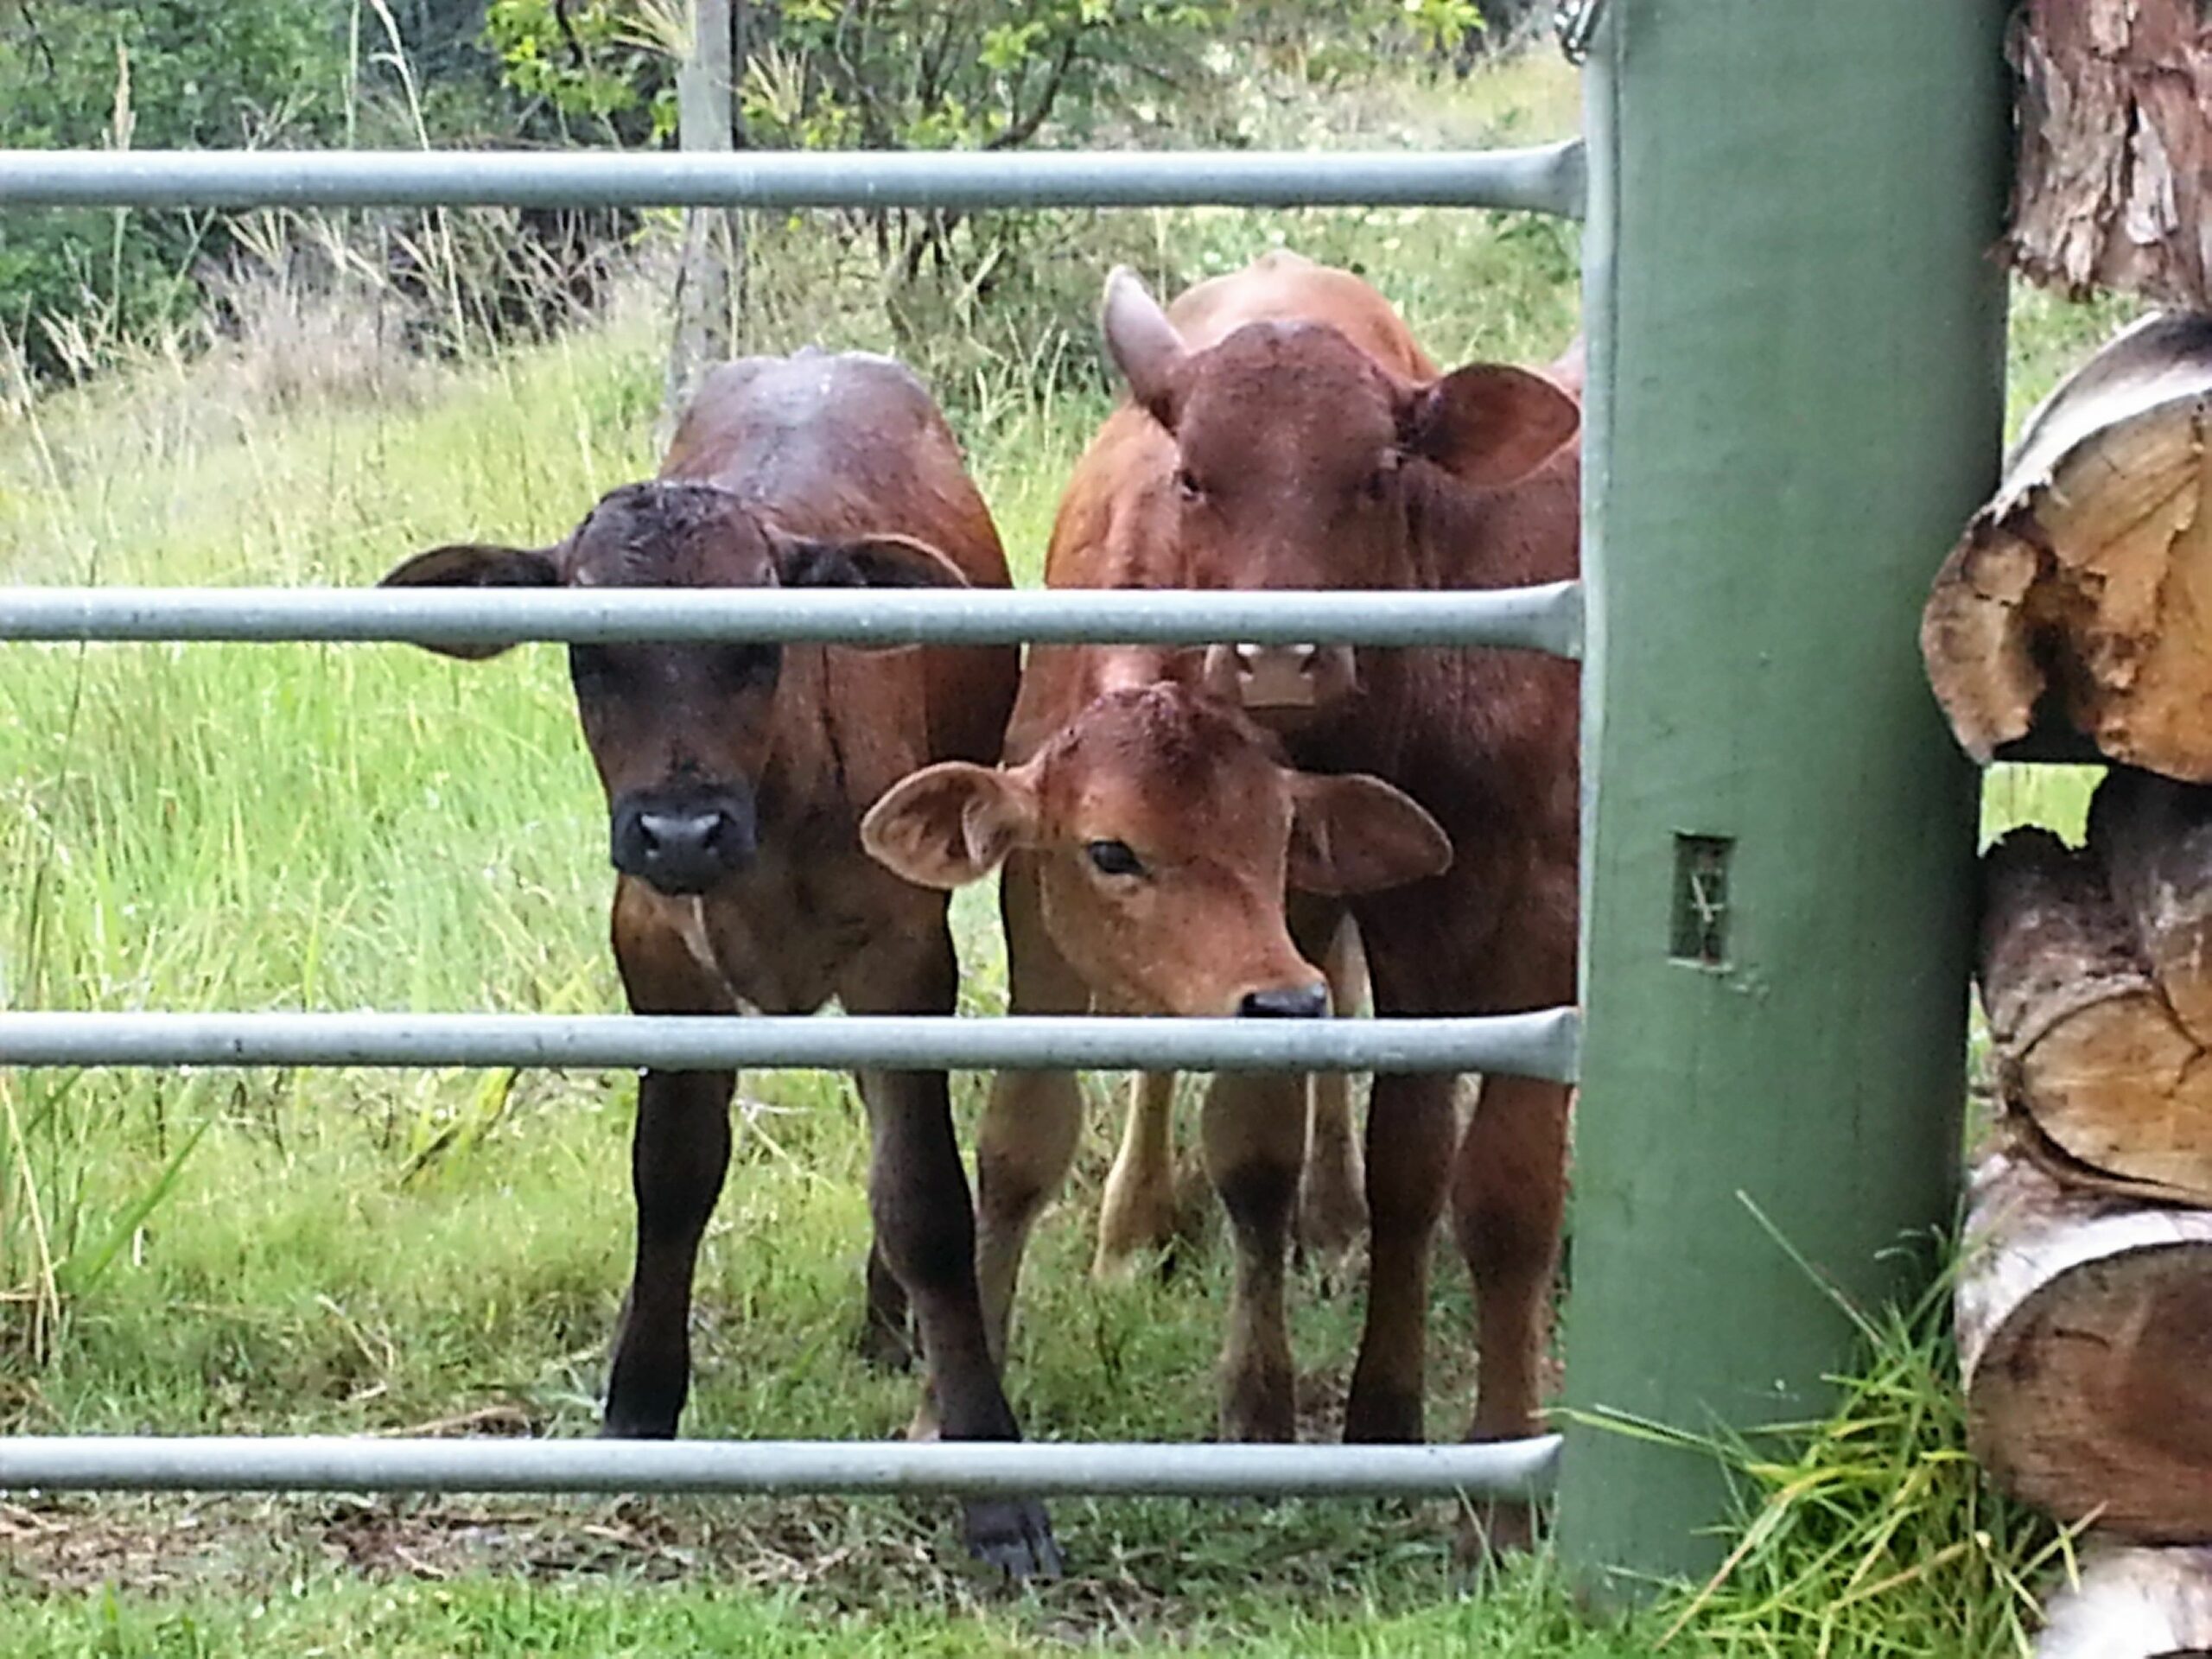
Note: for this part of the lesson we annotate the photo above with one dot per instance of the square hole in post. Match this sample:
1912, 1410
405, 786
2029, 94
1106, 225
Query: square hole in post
1700, 925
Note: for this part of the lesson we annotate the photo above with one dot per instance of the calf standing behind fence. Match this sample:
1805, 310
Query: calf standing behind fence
1279, 445
736, 775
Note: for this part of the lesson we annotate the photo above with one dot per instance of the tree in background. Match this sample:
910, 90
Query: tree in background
145, 74
816, 75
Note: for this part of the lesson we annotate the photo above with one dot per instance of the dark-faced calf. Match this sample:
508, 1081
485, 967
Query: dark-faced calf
736, 775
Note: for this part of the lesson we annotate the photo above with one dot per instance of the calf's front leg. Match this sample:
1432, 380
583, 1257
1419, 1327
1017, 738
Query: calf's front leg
1508, 1187
678, 1159
925, 1232
679, 1152
1254, 1131
1032, 1119
1410, 1127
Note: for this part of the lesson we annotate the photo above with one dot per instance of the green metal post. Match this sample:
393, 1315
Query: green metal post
1797, 378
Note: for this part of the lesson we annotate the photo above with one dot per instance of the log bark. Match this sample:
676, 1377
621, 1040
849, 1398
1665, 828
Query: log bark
2085, 1336
2114, 108
2132, 1603
2082, 592
2096, 980
2154, 838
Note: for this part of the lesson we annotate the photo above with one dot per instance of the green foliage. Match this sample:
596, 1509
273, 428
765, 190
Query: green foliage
1440, 26
607, 60
909, 74
145, 73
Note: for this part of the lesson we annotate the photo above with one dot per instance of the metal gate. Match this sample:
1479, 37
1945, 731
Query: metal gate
1672, 164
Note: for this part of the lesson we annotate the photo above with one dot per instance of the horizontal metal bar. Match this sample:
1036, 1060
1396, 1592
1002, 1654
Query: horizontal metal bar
1545, 178
1547, 618
1539, 1045
1503, 1469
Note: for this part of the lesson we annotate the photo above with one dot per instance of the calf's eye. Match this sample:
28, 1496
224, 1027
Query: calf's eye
1187, 484
1114, 858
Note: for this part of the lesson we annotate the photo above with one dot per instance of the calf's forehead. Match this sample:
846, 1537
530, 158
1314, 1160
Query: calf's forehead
1283, 390
670, 535
1179, 798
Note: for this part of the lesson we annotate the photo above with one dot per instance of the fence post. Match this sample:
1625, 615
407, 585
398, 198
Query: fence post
712, 261
1796, 381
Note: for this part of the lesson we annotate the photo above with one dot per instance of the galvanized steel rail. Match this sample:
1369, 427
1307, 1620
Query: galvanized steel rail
1547, 618
1539, 1045
1545, 178
1503, 1469
1548, 179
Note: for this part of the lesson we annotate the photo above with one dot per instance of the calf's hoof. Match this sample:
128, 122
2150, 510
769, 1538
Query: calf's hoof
1259, 1408
924, 1427
882, 1344
1128, 1239
1382, 1416
1488, 1531
1015, 1535
1332, 1220
639, 1415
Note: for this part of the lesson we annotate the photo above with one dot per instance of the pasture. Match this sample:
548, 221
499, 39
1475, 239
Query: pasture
371, 827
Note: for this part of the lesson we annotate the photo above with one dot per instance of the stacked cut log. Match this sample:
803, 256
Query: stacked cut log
2155, 1602
2076, 613
2081, 596
2084, 1302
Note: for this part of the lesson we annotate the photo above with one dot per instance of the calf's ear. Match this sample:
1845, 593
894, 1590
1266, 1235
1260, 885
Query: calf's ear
474, 564
1143, 343
880, 561
1356, 834
1489, 424
951, 823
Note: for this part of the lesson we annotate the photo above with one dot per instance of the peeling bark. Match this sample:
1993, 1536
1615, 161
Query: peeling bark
2114, 108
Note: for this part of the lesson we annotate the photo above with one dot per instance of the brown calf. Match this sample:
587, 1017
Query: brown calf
736, 775
1099, 512
1148, 842
1289, 453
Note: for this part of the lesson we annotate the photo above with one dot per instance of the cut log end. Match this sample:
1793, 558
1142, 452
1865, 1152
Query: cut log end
2085, 1328
2100, 1010
1978, 645
2132, 1603
2084, 587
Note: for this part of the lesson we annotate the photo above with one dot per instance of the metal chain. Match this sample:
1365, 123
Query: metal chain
1576, 23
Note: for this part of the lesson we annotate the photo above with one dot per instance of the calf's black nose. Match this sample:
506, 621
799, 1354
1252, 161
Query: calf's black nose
1286, 1003
682, 847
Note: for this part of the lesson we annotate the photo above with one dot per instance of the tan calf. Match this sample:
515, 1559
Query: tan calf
1148, 847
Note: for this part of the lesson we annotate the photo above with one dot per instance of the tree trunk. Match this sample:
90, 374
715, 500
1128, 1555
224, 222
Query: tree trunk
2082, 592
2134, 1604
2114, 114
2093, 1001
2085, 1335
709, 273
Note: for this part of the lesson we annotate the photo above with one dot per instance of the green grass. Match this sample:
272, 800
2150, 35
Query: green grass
372, 827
